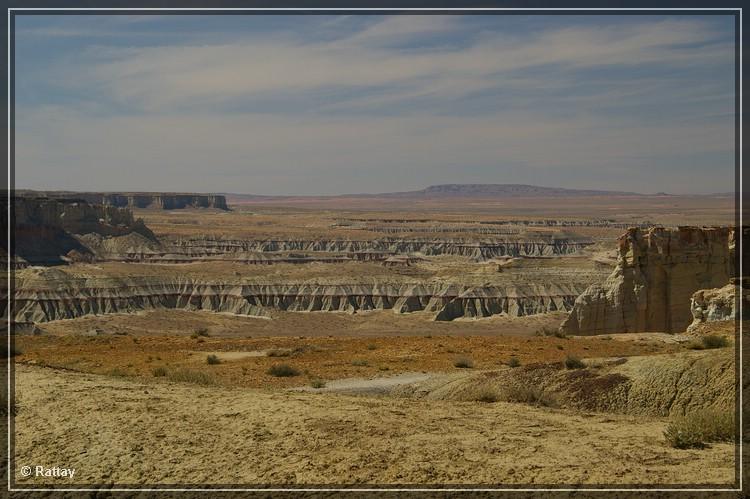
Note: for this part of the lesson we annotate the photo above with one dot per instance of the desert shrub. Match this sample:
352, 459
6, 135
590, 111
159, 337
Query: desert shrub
372, 346
201, 331
360, 363
486, 393
212, 360
159, 372
548, 331
317, 383
190, 376
529, 394
279, 352
573, 362
117, 372
282, 371
714, 341
695, 429
514, 362
463, 363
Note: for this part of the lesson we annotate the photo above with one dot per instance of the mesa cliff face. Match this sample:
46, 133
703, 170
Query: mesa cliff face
47, 231
42, 295
658, 271
156, 200
480, 250
719, 304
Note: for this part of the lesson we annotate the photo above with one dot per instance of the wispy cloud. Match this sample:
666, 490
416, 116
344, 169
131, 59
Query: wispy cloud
432, 98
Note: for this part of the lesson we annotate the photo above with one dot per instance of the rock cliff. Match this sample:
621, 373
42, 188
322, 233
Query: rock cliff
719, 304
479, 250
45, 294
47, 231
157, 200
658, 271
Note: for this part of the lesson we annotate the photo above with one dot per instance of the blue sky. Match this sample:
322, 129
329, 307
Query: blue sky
338, 104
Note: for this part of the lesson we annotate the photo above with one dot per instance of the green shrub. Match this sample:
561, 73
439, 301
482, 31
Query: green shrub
714, 341
514, 362
212, 360
463, 363
572, 362
190, 376
695, 429
159, 372
282, 371
317, 383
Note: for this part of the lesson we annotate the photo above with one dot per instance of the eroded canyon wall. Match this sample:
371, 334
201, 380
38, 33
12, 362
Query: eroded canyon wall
658, 271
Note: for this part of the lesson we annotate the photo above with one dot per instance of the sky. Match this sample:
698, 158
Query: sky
321, 104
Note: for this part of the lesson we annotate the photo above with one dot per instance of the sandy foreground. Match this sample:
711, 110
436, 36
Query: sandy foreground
125, 431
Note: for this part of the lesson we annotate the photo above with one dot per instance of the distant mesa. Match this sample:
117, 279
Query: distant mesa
154, 200
502, 190
479, 191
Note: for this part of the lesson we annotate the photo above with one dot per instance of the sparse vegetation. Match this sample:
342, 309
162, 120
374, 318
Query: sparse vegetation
548, 331
714, 341
694, 430
201, 331
463, 363
573, 362
212, 360
529, 394
282, 371
372, 346
190, 376
317, 383
360, 363
514, 362
486, 393
159, 372
279, 352
117, 373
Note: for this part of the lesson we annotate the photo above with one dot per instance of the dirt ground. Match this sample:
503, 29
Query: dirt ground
245, 361
124, 431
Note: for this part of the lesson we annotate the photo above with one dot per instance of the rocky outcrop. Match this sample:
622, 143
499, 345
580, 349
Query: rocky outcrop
156, 200
719, 304
48, 231
479, 250
50, 294
658, 271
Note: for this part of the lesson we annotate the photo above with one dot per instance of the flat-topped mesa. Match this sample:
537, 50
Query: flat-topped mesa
155, 200
658, 271
47, 231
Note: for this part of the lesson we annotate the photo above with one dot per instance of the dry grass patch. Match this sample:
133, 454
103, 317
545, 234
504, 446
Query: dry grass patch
694, 430
282, 371
190, 376
463, 363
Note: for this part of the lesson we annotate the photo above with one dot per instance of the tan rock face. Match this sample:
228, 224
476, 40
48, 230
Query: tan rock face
657, 273
719, 304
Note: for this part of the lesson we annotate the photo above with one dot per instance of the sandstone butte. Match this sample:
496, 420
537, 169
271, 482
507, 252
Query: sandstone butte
657, 273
